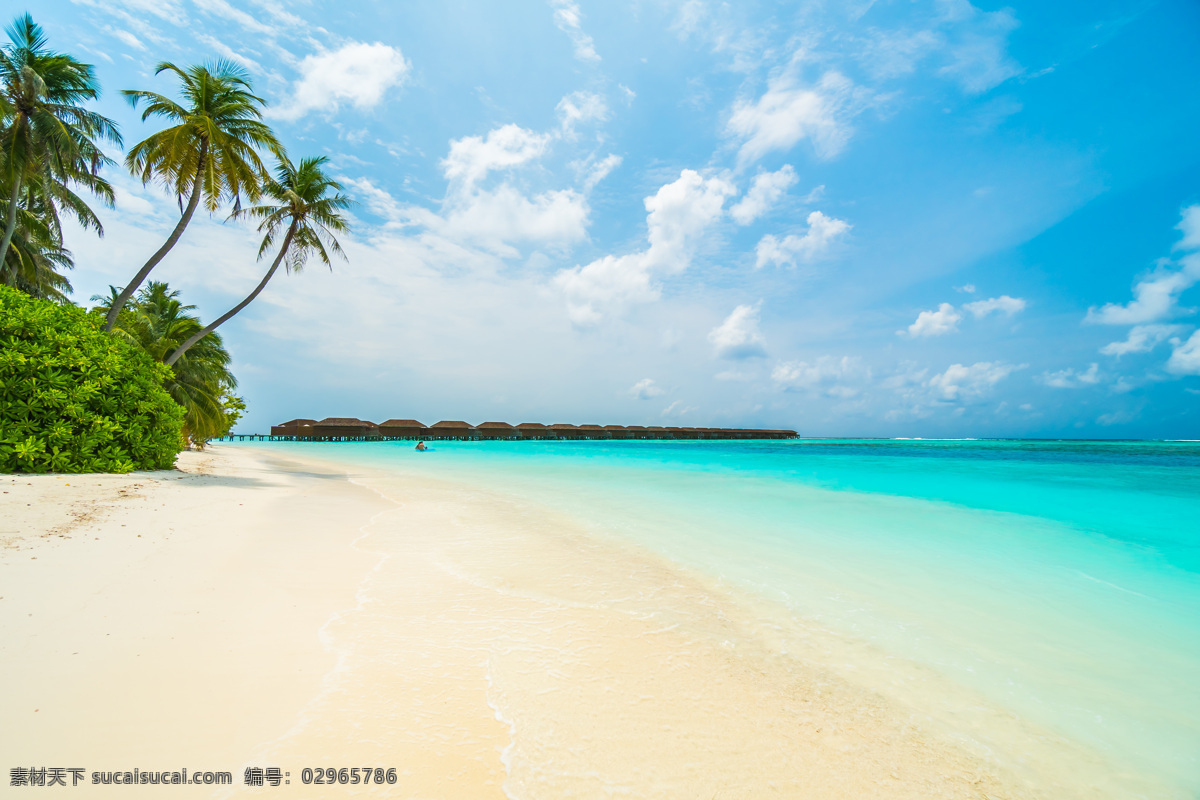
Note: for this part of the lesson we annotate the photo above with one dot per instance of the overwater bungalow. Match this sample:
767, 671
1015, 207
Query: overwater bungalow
344, 428
637, 432
294, 427
402, 429
657, 432
533, 430
593, 432
563, 430
496, 430
452, 429
617, 432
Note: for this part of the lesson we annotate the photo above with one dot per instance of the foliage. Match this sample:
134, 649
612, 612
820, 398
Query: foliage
48, 138
73, 399
308, 207
157, 322
216, 129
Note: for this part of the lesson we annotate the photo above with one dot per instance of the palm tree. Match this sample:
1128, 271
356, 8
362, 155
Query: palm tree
47, 134
308, 213
209, 153
36, 258
157, 321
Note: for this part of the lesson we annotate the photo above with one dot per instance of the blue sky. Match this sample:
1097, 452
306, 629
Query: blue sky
890, 218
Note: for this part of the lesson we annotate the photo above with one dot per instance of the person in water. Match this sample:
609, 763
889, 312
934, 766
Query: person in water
421, 446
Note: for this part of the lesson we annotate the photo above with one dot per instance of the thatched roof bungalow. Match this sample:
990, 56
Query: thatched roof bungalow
344, 428
617, 432
451, 429
593, 432
496, 430
637, 432
402, 429
294, 427
533, 430
658, 432
563, 430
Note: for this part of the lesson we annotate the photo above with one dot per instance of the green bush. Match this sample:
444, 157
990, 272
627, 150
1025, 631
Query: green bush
75, 399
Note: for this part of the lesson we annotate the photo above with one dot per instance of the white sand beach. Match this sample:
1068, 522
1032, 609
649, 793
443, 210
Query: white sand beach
254, 609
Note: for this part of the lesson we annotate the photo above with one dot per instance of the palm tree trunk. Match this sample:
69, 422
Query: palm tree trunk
183, 348
10, 225
158, 256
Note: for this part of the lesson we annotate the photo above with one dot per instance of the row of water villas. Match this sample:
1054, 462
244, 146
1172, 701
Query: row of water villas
350, 429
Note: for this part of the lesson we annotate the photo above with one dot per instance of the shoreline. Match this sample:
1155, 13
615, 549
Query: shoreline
481, 645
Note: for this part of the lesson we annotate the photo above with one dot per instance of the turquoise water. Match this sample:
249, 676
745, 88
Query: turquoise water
1058, 580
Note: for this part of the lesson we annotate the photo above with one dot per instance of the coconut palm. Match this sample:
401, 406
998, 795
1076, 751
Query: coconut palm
157, 321
47, 135
307, 213
208, 154
36, 258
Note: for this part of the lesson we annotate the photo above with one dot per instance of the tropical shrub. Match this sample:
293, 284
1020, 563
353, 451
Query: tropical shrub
74, 399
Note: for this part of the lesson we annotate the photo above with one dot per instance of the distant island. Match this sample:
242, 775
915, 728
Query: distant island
337, 429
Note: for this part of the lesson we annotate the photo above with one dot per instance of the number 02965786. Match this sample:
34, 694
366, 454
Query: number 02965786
348, 775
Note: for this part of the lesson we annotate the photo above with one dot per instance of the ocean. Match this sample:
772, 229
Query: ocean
1056, 583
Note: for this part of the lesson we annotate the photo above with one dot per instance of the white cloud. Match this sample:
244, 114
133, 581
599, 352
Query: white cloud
1156, 295
1185, 358
1070, 379
1142, 339
968, 288
504, 214
822, 232
790, 111
645, 389
1190, 227
738, 336
764, 192
358, 74
599, 170
834, 377
471, 158
569, 20
580, 107
978, 46
935, 323
677, 214
959, 383
1003, 303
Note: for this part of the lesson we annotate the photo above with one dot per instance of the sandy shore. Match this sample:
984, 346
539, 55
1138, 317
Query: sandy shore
253, 609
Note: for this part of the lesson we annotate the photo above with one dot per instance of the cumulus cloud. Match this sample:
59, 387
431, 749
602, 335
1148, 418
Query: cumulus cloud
1156, 295
960, 383
822, 232
790, 111
764, 193
935, 323
1070, 379
570, 21
580, 107
1003, 303
677, 214
645, 389
504, 214
843, 377
1185, 358
738, 336
1142, 339
471, 158
357, 74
